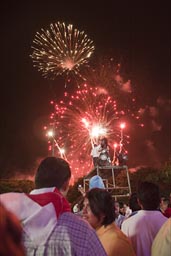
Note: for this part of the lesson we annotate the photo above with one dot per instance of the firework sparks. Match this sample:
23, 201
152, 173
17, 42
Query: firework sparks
95, 131
61, 50
80, 119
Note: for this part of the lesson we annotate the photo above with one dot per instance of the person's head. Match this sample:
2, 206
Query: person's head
116, 208
125, 208
53, 172
96, 182
98, 208
121, 208
10, 234
104, 142
133, 202
148, 196
164, 204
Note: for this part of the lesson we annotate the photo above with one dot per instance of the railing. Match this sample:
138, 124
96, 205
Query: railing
112, 187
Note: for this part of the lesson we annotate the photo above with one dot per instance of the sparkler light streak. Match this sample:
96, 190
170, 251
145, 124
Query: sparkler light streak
60, 50
114, 154
79, 119
122, 126
51, 135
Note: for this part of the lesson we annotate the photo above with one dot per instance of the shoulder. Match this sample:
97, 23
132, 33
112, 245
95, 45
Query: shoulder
131, 221
13, 201
166, 228
162, 241
80, 233
71, 220
11, 195
115, 241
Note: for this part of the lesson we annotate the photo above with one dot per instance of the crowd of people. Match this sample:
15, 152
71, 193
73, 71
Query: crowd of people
43, 223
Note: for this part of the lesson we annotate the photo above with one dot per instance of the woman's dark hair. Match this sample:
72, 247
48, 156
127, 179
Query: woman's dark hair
52, 172
101, 203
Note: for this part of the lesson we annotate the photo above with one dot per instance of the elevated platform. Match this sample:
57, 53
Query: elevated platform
109, 176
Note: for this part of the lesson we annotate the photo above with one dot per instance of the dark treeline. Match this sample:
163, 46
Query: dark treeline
162, 177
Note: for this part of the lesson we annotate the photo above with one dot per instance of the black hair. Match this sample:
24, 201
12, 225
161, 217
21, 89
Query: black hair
101, 203
148, 195
105, 140
133, 202
121, 204
52, 172
165, 200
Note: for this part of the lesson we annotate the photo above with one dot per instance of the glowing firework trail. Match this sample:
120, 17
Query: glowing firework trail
51, 134
122, 126
61, 49
114, 153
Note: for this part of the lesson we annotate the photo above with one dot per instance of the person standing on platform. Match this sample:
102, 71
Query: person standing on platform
95, 152
104, 157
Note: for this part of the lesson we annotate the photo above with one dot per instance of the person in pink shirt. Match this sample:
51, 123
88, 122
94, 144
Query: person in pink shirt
144, 225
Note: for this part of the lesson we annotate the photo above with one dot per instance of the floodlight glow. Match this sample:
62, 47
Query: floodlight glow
122, 125
50, 133
115, 145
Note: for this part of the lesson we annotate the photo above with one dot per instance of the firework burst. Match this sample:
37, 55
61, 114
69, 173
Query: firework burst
80, 119
61, 50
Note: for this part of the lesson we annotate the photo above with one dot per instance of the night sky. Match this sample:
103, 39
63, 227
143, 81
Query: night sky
137, 36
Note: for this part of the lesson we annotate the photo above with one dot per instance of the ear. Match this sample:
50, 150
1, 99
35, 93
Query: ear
65, 187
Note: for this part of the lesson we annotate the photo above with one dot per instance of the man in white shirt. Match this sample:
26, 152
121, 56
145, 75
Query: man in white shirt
143, 226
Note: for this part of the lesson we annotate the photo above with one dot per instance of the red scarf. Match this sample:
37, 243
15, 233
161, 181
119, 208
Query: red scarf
60, 203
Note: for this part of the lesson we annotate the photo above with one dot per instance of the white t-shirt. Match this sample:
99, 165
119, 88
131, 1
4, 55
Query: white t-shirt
95, 151
142, 229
